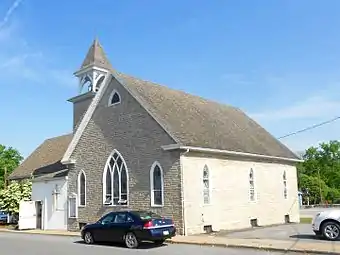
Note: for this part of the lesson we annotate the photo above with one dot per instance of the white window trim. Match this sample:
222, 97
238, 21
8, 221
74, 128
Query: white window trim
73, 196
250, 187
156, 163
285, 188
111, 96
209, 180
107, 167
79, 195
56, 199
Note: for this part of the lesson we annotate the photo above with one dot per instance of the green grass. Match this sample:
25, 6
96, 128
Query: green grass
304, 220
8, 226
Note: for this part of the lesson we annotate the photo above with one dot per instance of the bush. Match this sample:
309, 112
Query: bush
11, 196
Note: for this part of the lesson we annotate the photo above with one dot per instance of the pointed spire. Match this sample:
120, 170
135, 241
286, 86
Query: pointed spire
96, 57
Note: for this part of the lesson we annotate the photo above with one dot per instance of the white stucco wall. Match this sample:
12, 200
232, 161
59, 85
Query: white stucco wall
54, 215
230, 206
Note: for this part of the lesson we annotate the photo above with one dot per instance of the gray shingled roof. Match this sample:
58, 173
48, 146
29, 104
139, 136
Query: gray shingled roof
44, 160
199, 122
193, 120
96, 57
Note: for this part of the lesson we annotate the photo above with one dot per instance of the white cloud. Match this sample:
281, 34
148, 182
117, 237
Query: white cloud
9, 13
62, 77
322, 106
25, 69
313, 137
15, 63
31, 67
20, 63
312, 107
286, 102
21, 67
5, 33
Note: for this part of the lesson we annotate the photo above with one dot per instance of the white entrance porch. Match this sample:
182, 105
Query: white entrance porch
53, 194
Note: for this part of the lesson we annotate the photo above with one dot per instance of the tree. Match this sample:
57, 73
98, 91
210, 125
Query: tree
321, 169
10, 158
13, 194
333, 195
313, 185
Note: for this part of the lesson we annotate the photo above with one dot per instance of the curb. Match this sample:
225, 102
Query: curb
37, 233
244, 246
222, 245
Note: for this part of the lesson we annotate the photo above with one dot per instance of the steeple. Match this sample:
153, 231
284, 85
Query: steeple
94, 69
96, 57
92, 75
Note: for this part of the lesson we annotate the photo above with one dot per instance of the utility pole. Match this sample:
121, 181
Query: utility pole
321, 200
307, 193
5, 178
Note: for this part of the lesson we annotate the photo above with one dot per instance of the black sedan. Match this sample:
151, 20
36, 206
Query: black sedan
129, 227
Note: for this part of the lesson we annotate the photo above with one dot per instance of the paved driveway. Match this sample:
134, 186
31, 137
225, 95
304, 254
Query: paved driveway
301, 232
23, 244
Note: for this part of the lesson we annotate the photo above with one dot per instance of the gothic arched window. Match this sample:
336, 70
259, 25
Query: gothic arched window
157, 185
285, 192
82, 188
115, 180
114, 98
251, 185
206, 185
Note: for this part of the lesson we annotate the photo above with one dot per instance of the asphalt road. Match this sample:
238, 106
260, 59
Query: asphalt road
311, 212
14, 244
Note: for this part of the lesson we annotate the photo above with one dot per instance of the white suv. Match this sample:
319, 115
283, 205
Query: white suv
327, 224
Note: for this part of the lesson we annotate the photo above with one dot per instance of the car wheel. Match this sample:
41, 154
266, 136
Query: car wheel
88, 238
159, 242
331, 230
131, 241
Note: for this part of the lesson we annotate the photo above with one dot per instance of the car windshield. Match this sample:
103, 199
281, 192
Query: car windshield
143, 215
2, 213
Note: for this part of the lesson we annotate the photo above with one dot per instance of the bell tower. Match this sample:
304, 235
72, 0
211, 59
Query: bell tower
93, 69
91, 76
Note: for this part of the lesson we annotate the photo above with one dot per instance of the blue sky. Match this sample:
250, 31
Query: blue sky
277, 60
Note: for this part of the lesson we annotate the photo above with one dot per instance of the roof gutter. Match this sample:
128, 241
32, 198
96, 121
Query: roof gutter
20, 178
43, 179
227, 152
68, 162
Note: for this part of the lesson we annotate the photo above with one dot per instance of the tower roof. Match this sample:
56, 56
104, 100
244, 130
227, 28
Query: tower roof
96, 57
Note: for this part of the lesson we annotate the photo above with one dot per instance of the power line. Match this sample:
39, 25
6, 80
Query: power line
311, 127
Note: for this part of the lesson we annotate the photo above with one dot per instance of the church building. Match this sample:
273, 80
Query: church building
139, 145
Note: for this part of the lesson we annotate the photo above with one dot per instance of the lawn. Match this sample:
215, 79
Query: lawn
304, 220
8, 226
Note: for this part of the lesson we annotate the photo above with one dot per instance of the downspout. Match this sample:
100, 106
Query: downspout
182, 192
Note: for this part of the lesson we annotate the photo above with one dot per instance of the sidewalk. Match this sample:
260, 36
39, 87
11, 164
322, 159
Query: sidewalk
265, 244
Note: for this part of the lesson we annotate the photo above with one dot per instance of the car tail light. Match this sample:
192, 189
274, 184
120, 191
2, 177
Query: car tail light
148, 224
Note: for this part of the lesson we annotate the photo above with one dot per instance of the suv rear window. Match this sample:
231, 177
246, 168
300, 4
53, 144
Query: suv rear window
143, 215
